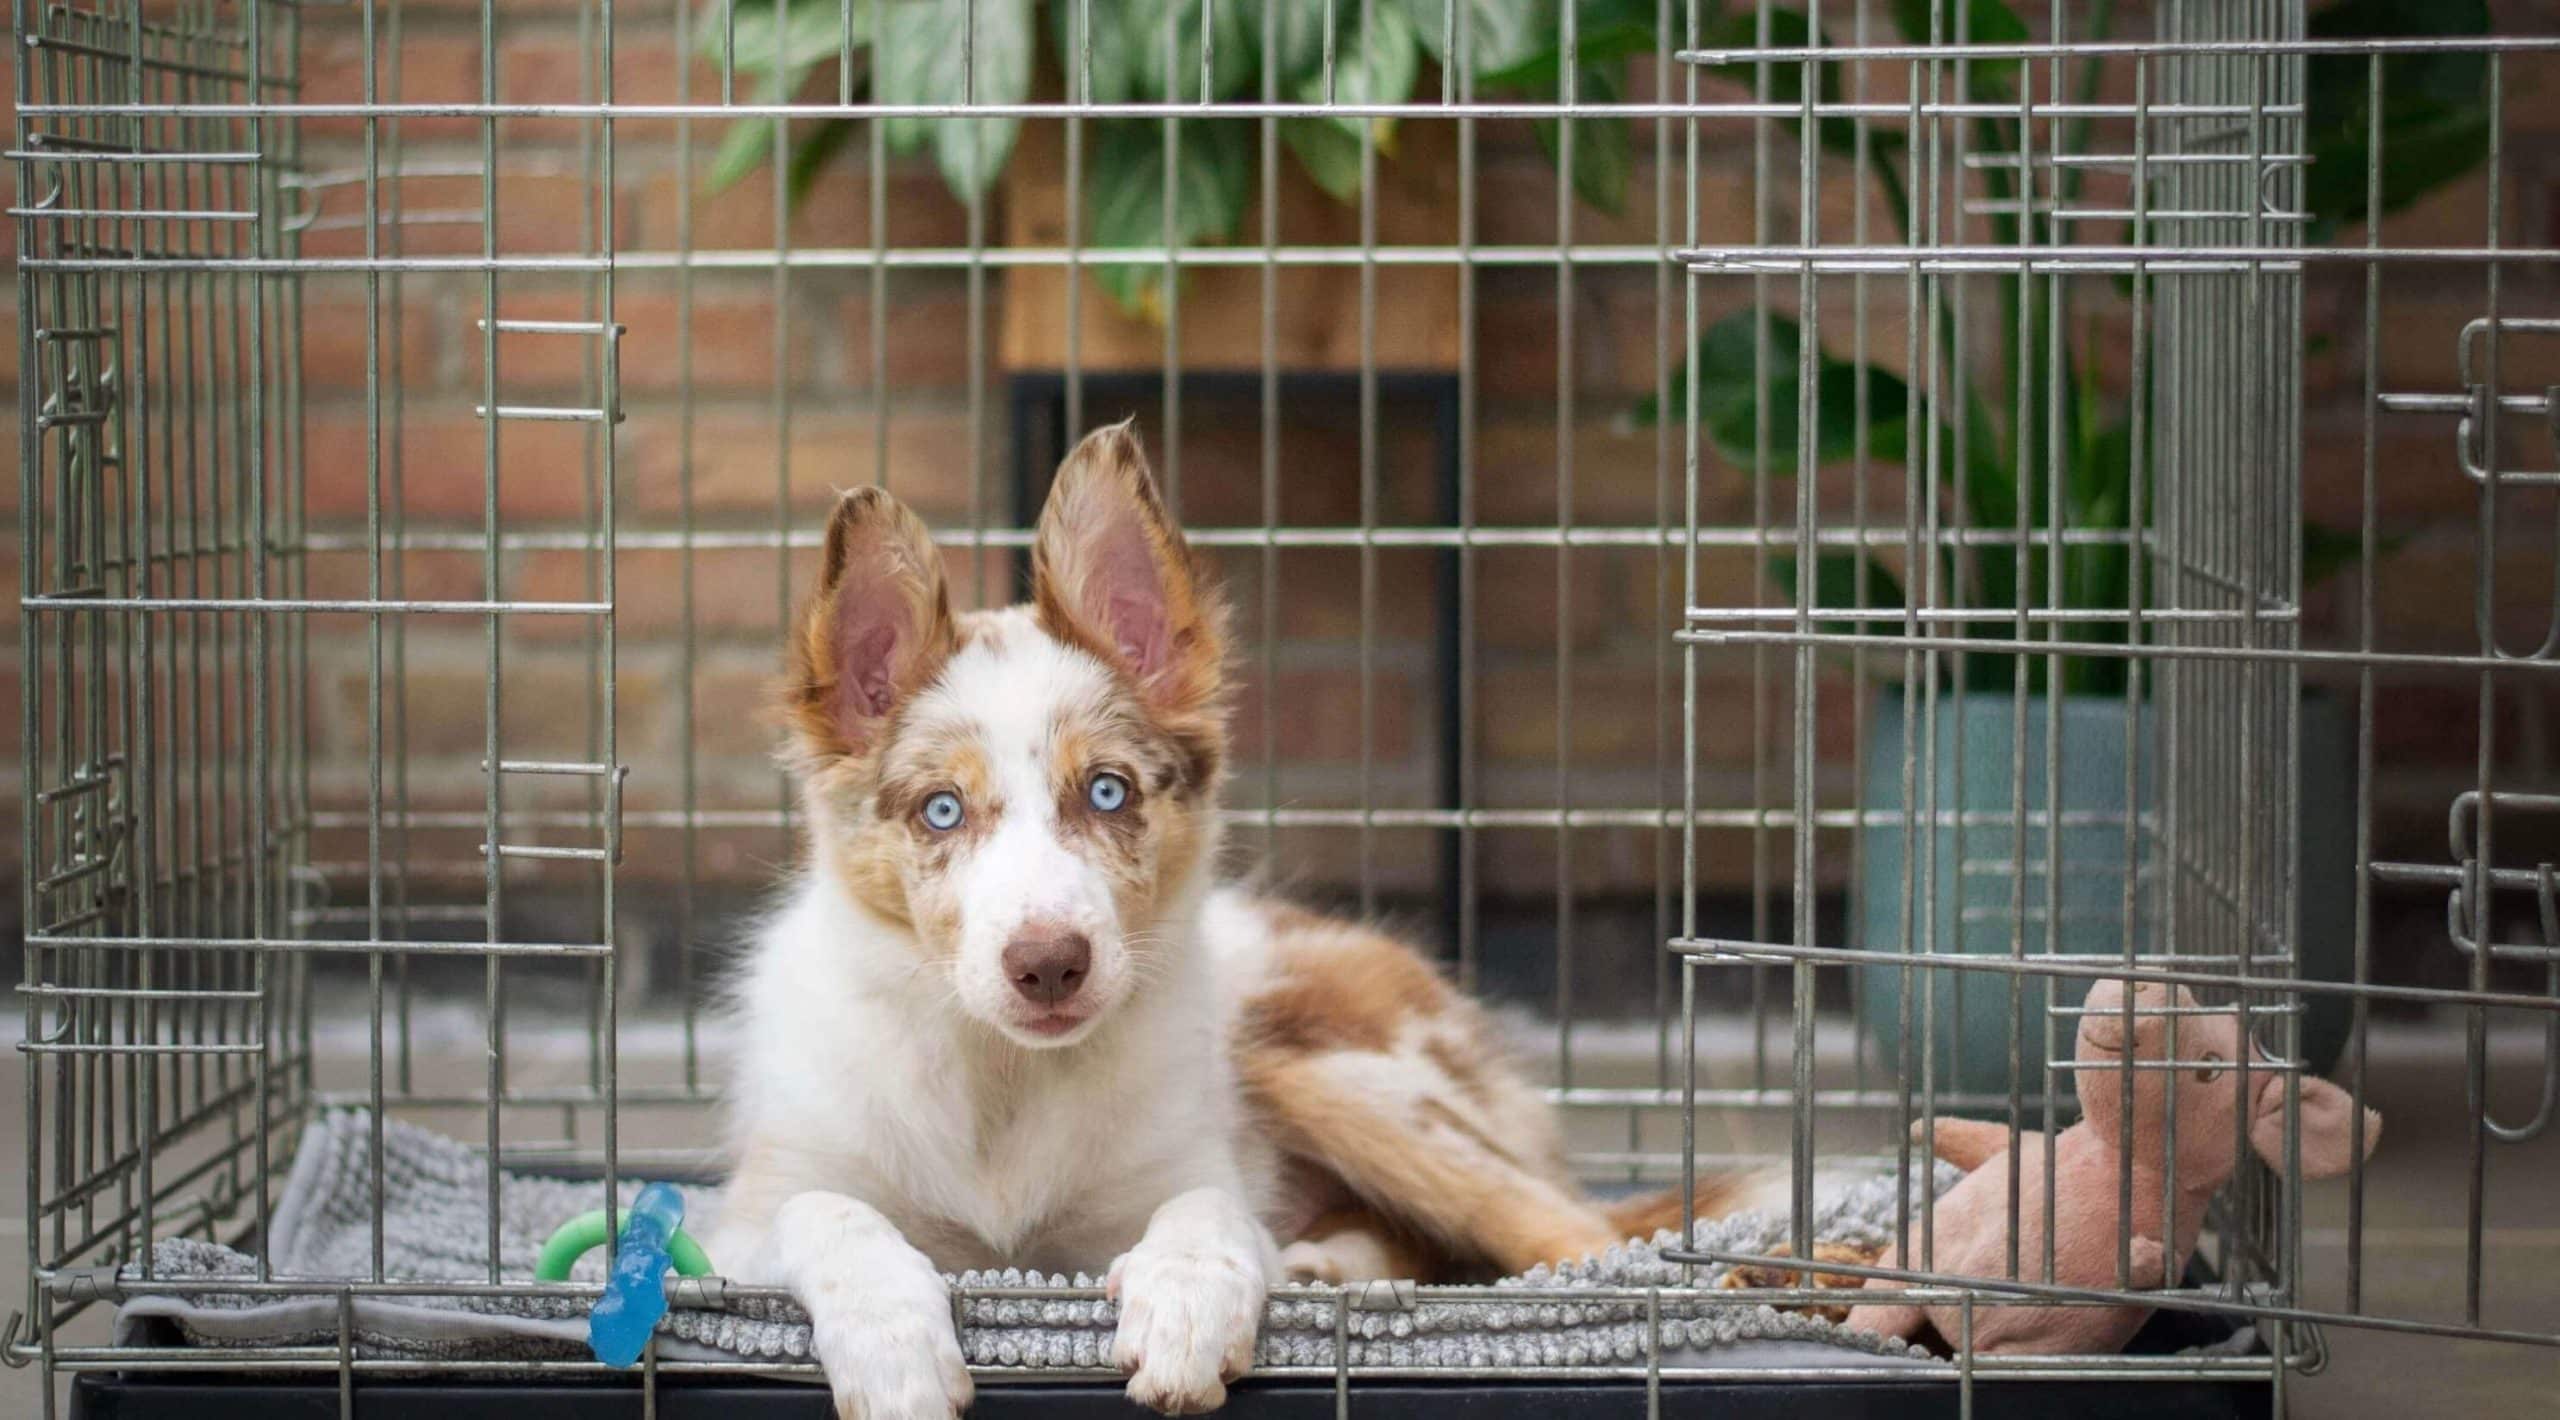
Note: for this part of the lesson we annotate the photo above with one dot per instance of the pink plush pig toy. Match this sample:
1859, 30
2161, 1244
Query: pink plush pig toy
1973, 1219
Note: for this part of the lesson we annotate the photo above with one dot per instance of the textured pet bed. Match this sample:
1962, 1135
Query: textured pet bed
435, 1193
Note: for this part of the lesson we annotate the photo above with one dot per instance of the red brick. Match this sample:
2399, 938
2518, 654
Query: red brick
554, 68
1516, 471
1320, 594
1516, 598
736, 455
435, 64
1613, 715
927, 329
538, 465
543, 705
1320, 717
1517, 331
734, 593
835, 213
734, 709
543, 212
333, 342
423, 574
732, 334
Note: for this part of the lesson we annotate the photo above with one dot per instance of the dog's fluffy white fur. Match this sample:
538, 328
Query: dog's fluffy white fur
868, 1112
1004, 1017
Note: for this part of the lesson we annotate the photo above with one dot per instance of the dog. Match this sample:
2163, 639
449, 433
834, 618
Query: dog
1008, 1016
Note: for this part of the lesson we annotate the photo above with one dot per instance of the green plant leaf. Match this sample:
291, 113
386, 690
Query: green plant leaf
1788, 29
1985, 22
922, 43
1729, 405
1297, 40
2435, 116
1125, 187
1605, 31
1330, 155
747, 144
1835, 587
744, 147
1500, 34
1129, 64
809, 155
1376, 67
1603, 144
812, 33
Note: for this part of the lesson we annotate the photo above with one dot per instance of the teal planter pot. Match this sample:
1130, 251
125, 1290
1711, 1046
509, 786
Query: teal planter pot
1966, 1014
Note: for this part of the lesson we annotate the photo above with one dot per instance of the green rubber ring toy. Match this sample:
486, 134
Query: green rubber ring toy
585, 1233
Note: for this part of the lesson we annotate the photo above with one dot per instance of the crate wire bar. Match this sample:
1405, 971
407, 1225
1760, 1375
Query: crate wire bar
203, 856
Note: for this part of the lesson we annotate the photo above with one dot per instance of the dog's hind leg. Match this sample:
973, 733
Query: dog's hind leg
1357, 1244
1409, 1141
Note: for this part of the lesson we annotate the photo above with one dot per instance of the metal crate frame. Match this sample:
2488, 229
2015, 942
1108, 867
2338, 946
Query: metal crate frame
176, 900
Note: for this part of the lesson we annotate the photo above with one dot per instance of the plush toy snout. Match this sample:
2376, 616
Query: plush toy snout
2328, 1126
2328, 1112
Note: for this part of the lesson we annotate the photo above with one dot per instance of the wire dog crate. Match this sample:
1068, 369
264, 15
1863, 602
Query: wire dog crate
1791, 634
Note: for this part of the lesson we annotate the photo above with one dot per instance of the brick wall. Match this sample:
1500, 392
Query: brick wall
708, 419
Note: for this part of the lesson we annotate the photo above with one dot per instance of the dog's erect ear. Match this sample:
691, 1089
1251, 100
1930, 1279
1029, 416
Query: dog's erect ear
1111, 573
878, 628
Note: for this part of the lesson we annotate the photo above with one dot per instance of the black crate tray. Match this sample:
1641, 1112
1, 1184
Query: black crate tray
187, 1397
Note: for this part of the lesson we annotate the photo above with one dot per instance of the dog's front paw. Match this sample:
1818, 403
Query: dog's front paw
1188, 1319
893, 1366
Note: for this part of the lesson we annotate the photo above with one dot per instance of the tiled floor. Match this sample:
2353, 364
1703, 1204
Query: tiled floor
2414, 1251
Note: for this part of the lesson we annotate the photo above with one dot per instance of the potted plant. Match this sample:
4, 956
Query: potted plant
2435, 130
1148, 51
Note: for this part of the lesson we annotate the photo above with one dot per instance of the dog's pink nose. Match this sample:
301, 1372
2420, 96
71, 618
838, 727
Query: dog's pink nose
1047, 964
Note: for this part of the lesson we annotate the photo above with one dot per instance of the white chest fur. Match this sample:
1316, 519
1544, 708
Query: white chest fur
855, 1075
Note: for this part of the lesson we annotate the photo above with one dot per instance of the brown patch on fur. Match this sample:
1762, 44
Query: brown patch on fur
1444, 1117
1334, 986
1104, 514
1472, 1203
1362, 1062
1372, 1074
1759, 1275
1465, 1067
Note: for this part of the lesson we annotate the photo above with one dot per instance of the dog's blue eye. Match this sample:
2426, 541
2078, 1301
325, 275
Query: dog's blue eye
942, 812
1107, 792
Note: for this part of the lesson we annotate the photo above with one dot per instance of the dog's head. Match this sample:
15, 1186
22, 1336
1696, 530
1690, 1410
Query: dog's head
1031, 790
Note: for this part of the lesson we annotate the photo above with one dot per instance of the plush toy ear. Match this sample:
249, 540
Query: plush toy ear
876, 631
2328, 1127
1111, 574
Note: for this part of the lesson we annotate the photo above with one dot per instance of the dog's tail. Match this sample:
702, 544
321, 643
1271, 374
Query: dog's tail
1766, 1188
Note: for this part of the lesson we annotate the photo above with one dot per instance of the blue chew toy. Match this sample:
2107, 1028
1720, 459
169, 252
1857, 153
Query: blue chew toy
635, 1293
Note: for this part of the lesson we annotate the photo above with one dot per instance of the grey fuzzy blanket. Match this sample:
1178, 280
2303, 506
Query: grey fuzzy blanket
435, 1193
